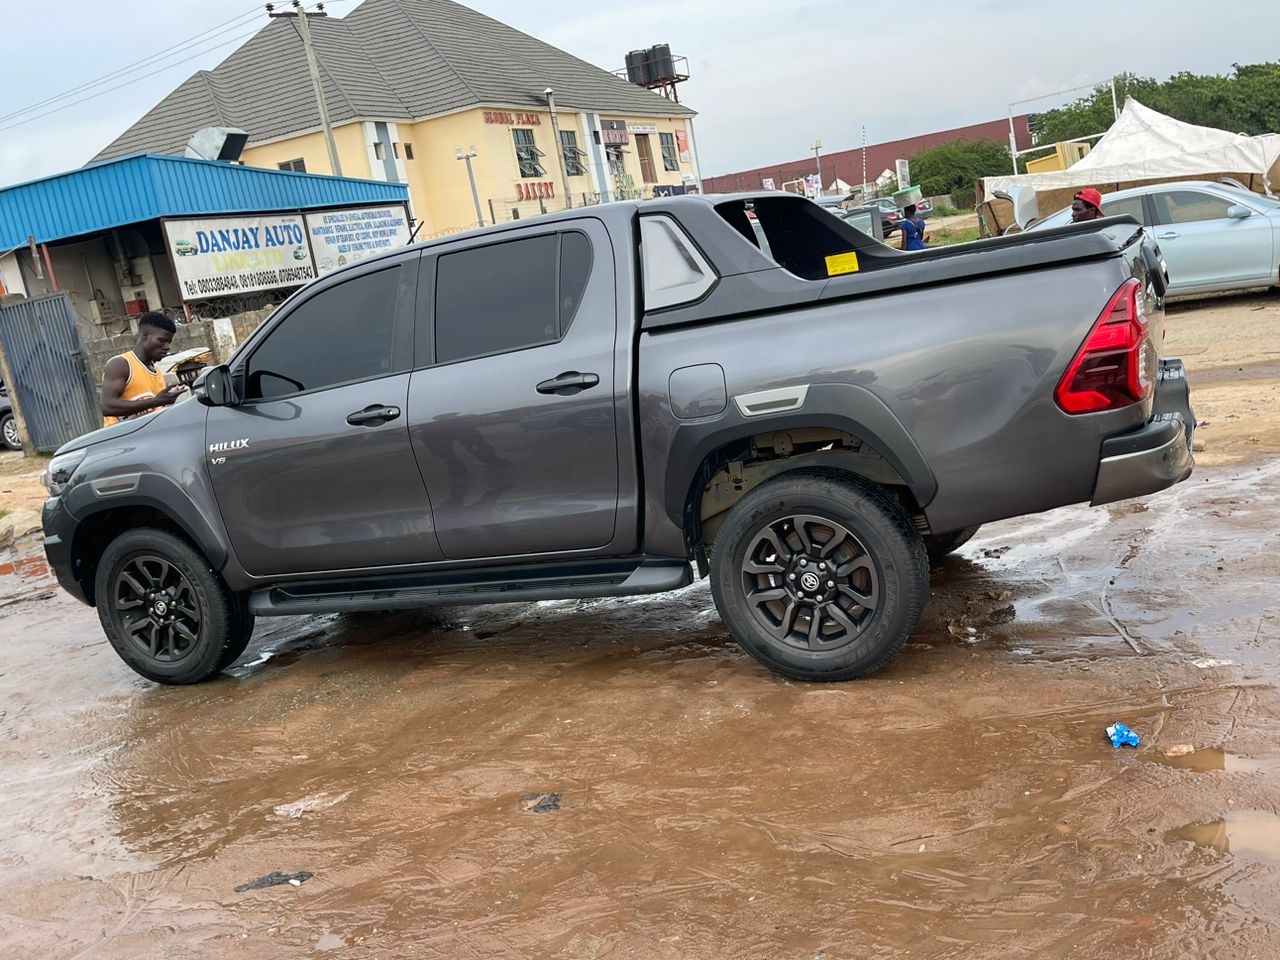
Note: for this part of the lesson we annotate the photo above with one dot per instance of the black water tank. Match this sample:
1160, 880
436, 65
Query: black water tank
661, 66
637, 66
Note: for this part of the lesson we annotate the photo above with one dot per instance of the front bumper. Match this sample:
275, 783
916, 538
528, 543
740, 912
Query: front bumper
59, 528
1156, 455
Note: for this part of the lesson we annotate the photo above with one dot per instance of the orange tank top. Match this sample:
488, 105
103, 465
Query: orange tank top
142, 383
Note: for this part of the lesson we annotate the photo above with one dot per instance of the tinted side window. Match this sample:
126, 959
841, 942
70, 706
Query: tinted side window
1118, 208
339, 335
510, 295
575, 270
1189, 206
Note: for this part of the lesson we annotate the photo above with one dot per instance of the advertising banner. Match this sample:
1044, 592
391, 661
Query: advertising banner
339, 237
225, 256
682, 145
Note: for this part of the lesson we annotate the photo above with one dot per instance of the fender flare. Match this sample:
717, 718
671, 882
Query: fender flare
842, 406
156, 492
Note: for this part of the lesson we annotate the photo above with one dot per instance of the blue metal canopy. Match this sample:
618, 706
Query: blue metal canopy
146, 186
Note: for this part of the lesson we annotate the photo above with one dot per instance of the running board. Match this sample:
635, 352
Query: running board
627, 578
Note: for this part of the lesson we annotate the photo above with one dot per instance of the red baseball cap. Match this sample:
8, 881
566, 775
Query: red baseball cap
1090, 196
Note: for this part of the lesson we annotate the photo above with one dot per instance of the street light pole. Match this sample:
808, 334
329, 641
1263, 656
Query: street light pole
555, 130
475, 194
816, 148
313, 66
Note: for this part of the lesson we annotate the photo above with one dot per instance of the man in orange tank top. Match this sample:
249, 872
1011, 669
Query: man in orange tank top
131, 384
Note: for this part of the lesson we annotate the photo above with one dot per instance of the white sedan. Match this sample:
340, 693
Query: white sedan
1212, 236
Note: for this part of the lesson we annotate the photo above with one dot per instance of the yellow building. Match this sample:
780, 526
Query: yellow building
412, 86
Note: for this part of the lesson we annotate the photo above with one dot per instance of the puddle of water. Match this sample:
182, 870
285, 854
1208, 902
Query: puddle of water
1208, 760
1242, 832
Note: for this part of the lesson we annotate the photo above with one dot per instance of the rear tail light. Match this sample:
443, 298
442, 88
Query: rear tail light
1113, 368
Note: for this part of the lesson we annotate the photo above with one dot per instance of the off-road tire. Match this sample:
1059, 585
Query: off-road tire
224, 624
883, 535
940, 545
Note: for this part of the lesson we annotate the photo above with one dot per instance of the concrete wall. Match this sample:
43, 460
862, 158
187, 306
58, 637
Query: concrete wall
199, 333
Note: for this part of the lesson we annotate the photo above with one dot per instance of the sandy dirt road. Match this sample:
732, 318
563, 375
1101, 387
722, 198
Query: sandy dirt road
961, 803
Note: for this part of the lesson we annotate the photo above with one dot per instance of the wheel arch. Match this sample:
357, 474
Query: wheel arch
108, 518
698, 454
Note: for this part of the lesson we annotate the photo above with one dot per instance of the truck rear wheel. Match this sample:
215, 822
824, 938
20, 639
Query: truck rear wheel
819, 575
167, 613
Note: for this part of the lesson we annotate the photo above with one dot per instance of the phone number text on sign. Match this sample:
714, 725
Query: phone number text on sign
220, 256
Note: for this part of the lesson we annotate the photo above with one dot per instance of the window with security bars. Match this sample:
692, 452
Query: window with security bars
617, 165
670, 159
528, 154
297, 166
574, 159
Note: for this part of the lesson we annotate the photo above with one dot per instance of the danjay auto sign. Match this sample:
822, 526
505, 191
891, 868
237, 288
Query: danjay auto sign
225, 256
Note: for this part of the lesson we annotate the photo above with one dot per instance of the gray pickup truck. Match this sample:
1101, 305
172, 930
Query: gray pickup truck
598, 402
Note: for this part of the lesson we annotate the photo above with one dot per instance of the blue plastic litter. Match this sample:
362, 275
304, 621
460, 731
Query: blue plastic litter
1122, 736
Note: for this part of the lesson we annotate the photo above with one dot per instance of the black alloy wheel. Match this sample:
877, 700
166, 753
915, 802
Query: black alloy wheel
167, 613
810, 583
819, 574
157, 608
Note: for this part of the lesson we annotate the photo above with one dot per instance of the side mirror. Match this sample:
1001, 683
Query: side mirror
214, 388
1238, 211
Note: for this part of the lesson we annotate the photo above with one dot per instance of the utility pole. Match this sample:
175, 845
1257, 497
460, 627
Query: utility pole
555, 130
864, 163
475, 194
817, 158
301, 15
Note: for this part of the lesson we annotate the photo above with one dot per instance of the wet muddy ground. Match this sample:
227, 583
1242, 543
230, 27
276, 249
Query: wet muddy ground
615, 779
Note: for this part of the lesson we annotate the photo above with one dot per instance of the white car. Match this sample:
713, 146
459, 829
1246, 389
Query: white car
1212, 237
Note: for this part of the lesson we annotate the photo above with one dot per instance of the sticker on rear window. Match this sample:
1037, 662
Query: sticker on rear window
839, 263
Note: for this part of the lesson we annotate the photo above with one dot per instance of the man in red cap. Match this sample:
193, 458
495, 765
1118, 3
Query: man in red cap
1087, 205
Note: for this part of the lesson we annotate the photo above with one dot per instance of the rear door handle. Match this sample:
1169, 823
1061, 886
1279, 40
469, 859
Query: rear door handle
567, 384
1168, 236
373, 416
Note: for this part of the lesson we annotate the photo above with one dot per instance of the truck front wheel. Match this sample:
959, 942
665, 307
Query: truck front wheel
819, 575
167, 613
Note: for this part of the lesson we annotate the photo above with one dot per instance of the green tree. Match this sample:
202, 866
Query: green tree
1245, 101
956, 167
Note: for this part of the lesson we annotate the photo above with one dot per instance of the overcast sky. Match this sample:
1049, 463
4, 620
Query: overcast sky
768, 76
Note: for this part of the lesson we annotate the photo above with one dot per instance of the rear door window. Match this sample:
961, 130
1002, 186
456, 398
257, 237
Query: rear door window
508, 296
1131, 206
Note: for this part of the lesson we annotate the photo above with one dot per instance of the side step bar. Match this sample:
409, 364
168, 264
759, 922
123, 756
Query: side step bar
590, 579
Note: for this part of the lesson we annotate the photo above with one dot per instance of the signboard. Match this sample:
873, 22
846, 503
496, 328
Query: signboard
508, 119
224, 256
339, 237
767, 184
682, 145
812, 186
903, 169
614, 132
643, 128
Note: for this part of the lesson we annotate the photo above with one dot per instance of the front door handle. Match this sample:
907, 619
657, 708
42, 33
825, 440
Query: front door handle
569, 383
1170, 235
373, 416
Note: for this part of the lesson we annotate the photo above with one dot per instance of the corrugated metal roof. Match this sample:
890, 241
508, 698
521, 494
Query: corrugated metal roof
386, 60
146, 186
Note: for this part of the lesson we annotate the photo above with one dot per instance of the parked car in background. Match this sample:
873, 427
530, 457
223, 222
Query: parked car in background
1212, 236
9, 439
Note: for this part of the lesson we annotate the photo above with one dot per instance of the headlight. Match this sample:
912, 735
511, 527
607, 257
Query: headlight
60, 470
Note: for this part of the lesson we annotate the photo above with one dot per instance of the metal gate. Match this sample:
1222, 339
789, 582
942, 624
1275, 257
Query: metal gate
50, 373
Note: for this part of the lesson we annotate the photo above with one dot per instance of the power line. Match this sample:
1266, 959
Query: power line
100, 93
217, 29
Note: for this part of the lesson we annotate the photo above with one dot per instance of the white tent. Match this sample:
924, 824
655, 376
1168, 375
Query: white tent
1145, 145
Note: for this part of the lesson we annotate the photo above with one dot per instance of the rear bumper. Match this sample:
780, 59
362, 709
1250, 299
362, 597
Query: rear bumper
1156, 455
